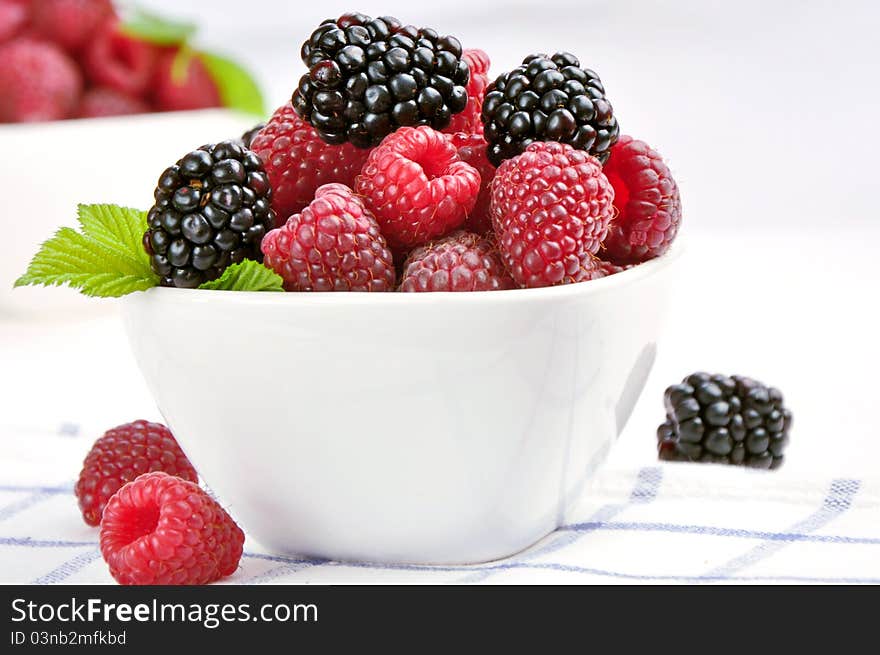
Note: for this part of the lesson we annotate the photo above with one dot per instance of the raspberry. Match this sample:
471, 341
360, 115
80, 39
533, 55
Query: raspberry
607, 268
725, 420
369, 76
13, 17
298, 161
548, 99
190, 88
160, 529
460, 262
69, 23
468, 121
38, 82
648, 203
122, 454
118, 61
334, 244
477, 61
551, 207
102, 101
417, 186
472, 149
592, 268
213, 208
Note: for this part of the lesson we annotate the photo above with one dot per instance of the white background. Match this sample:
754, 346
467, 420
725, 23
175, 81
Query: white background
767, 114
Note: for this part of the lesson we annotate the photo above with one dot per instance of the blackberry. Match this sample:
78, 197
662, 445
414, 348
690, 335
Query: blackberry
548, 99
721, 419
369, 76
212, 209
246, 138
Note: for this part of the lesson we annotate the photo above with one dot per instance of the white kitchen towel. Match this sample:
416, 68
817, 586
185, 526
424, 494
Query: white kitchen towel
669, 523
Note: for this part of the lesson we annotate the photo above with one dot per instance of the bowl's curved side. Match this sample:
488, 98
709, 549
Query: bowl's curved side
425, 432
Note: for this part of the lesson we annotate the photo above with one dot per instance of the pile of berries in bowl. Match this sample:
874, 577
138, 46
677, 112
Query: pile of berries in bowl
452, 426
399, 165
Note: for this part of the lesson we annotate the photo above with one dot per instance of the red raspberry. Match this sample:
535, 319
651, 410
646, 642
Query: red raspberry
472, 149
298, 161
101, 101
551, 206
118, 61
13, 17
595, 268
591, 269
160, 529
648, 203
69, 23
38, 82
417, 186
468, 120
334, 244
459, 262
607, 268
122, 454
477, 61
191, 88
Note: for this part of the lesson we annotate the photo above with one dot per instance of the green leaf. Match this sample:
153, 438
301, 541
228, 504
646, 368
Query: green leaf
105, 258
153, 28
246, 276
238, 90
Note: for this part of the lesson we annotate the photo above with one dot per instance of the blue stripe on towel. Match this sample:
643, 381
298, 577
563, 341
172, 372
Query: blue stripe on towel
68, 568
568, 568
20, 505
714, 531
83, 559
27, 542
838, 501
48, 489
278, 572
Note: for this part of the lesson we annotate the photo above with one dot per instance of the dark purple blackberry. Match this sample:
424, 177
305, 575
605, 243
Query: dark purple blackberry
212, 209
728, 420
369, 76
248, 136
548, 99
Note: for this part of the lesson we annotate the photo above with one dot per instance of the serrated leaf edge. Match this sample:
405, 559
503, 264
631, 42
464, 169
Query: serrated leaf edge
248, 275
119, 238
104, 243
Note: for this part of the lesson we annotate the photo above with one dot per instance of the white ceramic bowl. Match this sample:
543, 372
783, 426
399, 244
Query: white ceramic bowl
49, 168
431, 428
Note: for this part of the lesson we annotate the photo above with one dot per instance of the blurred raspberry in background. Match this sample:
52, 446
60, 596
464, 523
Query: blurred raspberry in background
183, 83
84, 59
13, 18
68, 23
38, 82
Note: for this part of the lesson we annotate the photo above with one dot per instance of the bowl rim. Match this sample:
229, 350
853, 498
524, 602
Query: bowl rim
502, 296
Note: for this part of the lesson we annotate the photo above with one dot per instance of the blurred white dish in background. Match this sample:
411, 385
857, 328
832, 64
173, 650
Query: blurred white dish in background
48, 168
401, 427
